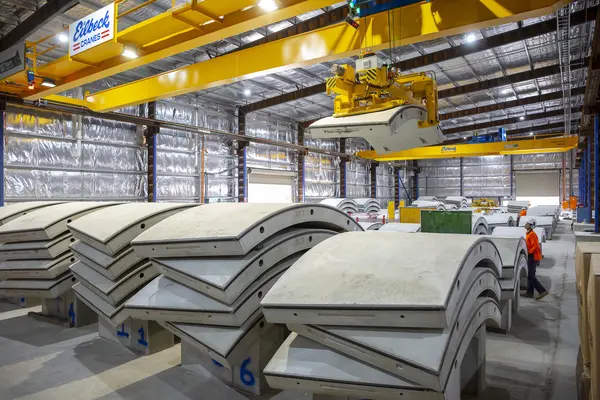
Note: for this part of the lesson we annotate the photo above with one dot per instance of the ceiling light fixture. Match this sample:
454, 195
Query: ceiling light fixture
470, 38
267, 5
247, 92
130, 52
522, 118
63, 38
505, 91
48, 82
530, 133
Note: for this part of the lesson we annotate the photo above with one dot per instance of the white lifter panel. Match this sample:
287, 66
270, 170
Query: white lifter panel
110, 267
10, 212
338, 281
232, 229
386, 131
48, 222
112, 229
226, 278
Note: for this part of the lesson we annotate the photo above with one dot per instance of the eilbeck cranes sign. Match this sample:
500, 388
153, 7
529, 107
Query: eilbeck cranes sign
95, 29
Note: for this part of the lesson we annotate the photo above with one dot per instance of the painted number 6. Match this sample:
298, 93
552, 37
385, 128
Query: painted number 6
246, 376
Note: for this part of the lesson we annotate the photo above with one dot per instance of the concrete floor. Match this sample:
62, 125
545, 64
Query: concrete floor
42, 361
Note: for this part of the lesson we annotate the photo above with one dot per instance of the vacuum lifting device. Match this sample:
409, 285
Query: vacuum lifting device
392, 112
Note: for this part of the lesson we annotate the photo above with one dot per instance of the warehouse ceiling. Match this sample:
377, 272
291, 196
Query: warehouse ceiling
517, 100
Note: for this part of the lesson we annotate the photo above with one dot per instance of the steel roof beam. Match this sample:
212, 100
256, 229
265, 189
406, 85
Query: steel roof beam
444, 55
42, 16
509, 104
507, 121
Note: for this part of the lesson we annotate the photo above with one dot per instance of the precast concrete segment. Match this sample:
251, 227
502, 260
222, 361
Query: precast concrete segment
498, 219
114, 292
166, 300
110, 267
10, 212
416, 281
479, 225
370, 226
345, 205
48, 222
112, 229
510, 249
114, 315
45, 249
36, 269
225, 345
302, 364
518, 232
401, 352
400, 227
225, 279
233, 229
45, 289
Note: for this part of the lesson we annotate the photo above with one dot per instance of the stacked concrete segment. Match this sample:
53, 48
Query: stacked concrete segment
37, 258
372, 318
108, 271
346, 205
216, 263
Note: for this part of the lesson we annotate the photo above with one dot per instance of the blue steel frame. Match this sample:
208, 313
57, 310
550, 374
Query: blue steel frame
596, 172
589, 181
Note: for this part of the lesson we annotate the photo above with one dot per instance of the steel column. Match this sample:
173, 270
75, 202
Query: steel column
151, 135
374, 180
461, 174
397, 187
416, 180
596, 172
343, 169
242, 169
512, 177
589, 180
2, 125
301, 166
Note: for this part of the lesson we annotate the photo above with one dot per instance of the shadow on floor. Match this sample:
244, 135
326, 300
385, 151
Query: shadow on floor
84, 360
530, 324
547, 262
37, 333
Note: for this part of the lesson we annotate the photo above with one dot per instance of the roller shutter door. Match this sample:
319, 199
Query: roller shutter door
539, 187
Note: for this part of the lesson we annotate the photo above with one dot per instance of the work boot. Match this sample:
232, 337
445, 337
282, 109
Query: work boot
542, 295
525, 294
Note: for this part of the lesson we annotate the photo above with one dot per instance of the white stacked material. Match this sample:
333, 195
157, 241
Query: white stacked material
451, 207
583, 227
514, 206
438, 205
400, 227
427, 198
36, 250
368, 205
519, 232
513, 252
499, 219
348, 206
109, 271
458, 201
545, 211
217, 262
547, 223
402, 325
371, 226
479, 225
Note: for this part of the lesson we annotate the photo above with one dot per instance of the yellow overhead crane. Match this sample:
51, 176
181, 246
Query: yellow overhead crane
173, 32
374, 101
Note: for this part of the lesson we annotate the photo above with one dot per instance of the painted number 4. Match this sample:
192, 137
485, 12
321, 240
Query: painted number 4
246, 376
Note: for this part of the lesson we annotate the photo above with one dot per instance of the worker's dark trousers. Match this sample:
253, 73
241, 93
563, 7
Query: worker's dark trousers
532, 281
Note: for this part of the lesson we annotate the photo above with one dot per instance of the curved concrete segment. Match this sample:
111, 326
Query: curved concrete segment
46, 249
45, 289
510, 249
10, 212
110, 267
225, 279
36, 269
517, 232
110, 291
401, 227
479, 225
416, 281
166, 300
345, 205
401, 352
114, 315
499, 219
225, 345
302, 364
48, 222
112, 229
233, 229
370, 226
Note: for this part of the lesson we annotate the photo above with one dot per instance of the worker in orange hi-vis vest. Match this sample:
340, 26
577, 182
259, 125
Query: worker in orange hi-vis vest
522, 213
533, 260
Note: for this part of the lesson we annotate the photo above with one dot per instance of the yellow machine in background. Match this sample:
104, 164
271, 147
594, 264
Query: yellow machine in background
373, 101
483, 204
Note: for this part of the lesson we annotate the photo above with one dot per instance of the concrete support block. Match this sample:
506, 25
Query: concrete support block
472, 369
24, 302
66, 310
142, 337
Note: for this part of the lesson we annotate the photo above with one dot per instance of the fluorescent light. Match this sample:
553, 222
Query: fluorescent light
63, 38
129, 52
464, 137
522, 118
268, 5
247, 92
470, 38
48, 82
530, 133
506, 91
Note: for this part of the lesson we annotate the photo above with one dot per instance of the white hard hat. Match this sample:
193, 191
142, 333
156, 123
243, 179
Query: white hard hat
530, 221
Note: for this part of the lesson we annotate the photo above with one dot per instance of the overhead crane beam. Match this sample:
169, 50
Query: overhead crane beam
501, 39
508, 121
438, 19
509, 104
156, 39
532, 146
